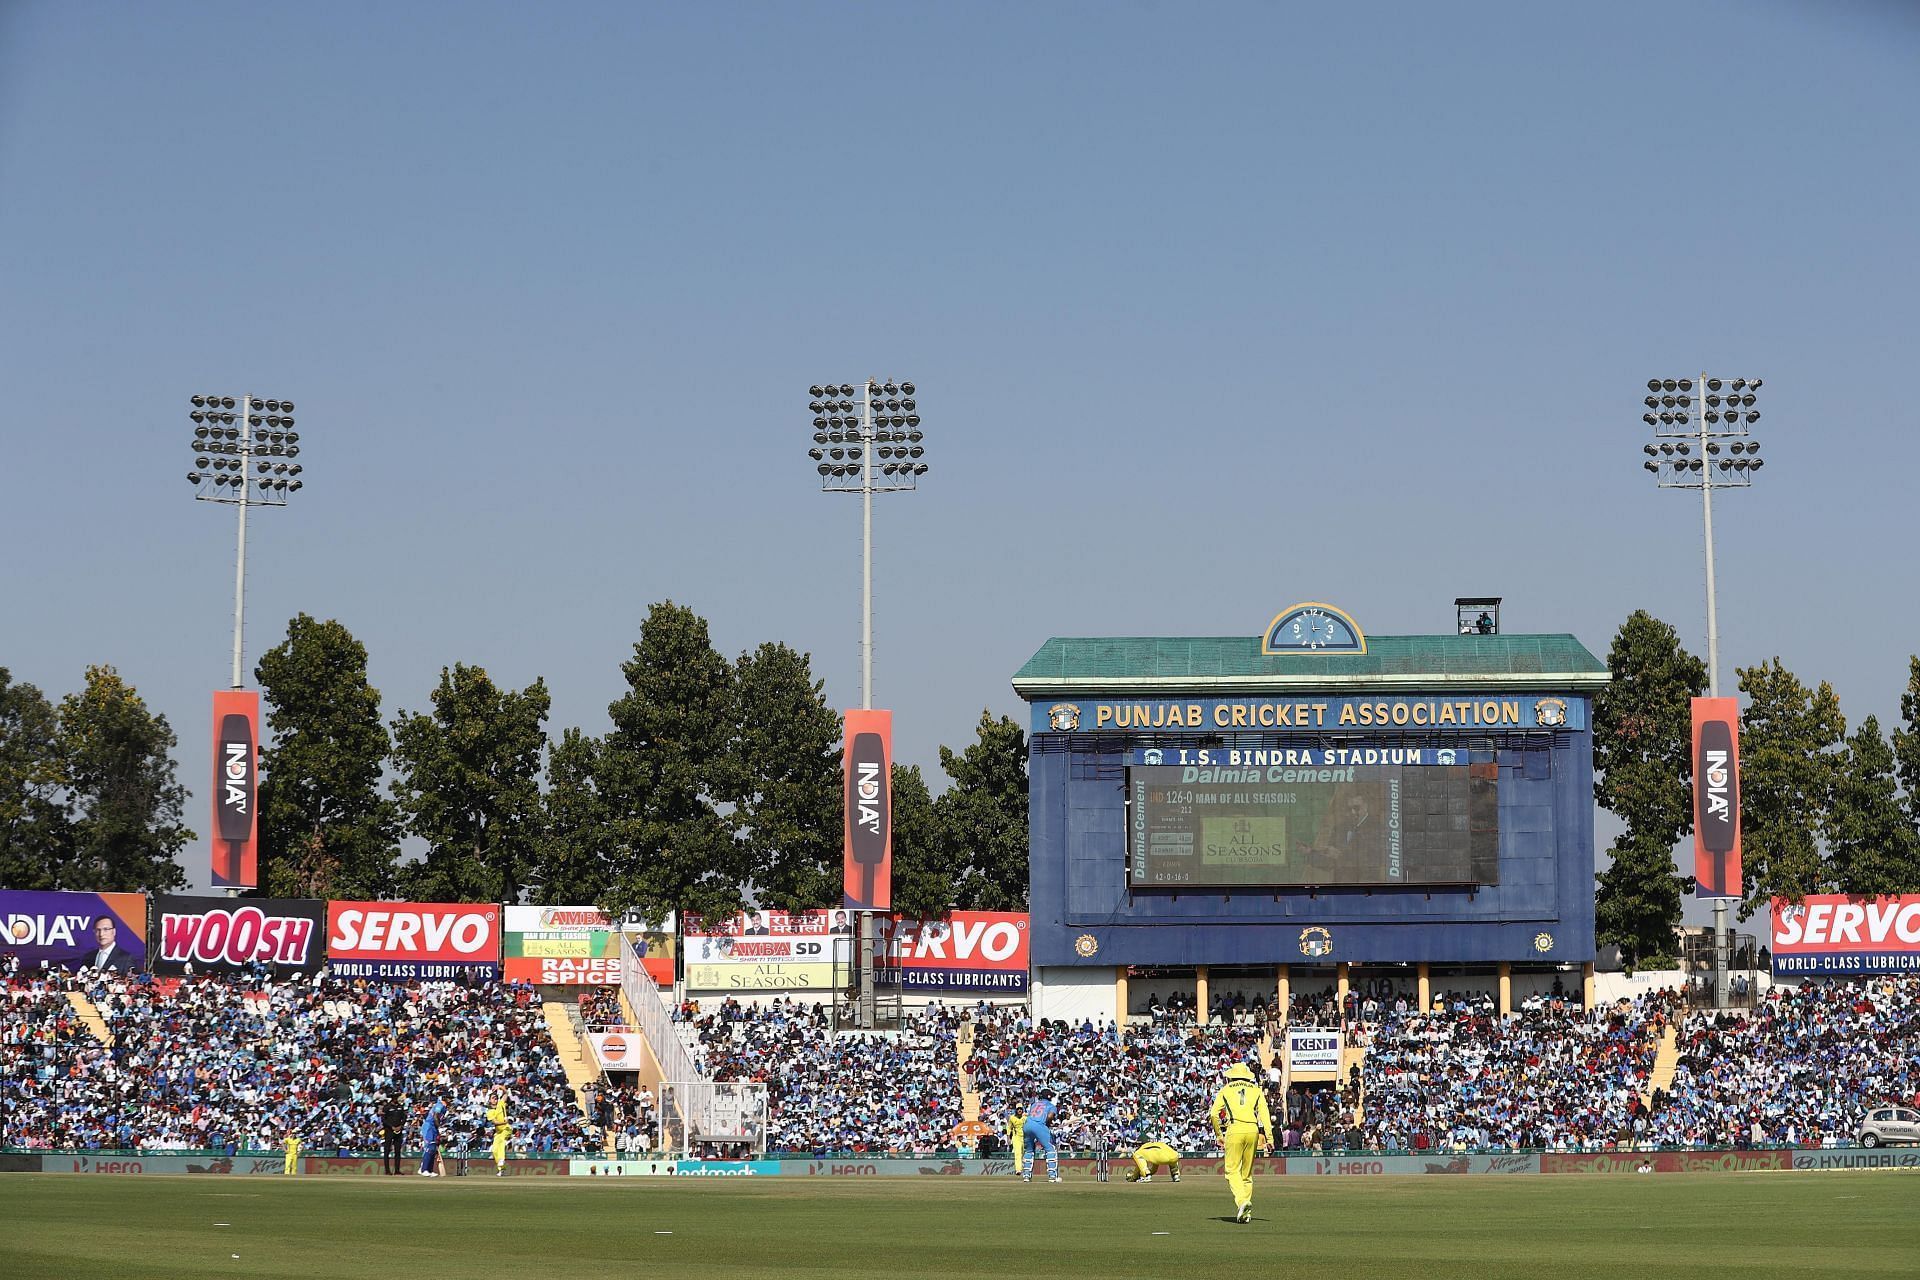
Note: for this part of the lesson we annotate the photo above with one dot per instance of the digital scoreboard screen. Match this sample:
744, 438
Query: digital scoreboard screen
1332, 825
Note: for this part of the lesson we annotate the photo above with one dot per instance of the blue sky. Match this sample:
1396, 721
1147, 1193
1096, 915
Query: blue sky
1211, 309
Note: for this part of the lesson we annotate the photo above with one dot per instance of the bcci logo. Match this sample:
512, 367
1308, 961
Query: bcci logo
1086, 946
1315, 941
1550, 712
1063, 717
1543, 942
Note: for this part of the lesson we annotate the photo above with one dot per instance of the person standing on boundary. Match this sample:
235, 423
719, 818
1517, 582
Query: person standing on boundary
1240, 1119
502, 1130
291, 1144
1016, 1135
1038, 1134
393, 1121
430, 1139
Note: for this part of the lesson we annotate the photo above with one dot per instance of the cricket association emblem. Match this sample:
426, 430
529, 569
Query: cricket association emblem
1550, 712
1316, 941
1543, 942
1086, 946
1063, 717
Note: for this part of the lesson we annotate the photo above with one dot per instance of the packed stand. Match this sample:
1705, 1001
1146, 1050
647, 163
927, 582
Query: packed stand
1152, 1082
1549, 1077
1800, 1068
226, 1064
852, 1092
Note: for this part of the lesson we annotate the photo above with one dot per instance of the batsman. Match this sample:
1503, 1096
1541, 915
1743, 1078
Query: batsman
1240, 1119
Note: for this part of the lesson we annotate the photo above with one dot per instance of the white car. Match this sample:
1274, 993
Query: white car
1887, 1125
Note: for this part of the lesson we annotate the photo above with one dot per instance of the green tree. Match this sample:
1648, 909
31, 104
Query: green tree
573, 865
326, 830
469, 786
1789, 763
1643, 761
983, 816
1906, 743
664, 773
1870, 840
124, 791
923, 878
784, 780
36, 840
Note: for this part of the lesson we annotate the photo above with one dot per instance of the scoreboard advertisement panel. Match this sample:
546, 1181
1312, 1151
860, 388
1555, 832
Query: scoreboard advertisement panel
1305, 818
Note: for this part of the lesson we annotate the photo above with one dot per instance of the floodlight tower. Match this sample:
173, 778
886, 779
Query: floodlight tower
245, 458
866, 446
1701, 441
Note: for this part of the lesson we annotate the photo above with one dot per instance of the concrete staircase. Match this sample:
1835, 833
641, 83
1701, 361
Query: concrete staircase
1665, 1062
90, 1016
574, 1058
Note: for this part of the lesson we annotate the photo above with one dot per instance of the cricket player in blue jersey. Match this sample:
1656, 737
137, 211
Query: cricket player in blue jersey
430, 1139
1038, 1135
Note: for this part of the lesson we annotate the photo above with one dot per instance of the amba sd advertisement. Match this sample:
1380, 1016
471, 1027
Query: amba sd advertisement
222, 935
427, 941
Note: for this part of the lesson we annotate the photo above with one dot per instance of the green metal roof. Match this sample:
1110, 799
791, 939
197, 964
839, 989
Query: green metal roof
1496, 661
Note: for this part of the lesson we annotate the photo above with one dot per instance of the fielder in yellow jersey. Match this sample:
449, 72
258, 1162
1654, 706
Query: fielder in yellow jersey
1149, 1156
502, 1130
291, 1144
1240, 1120
1017, 1135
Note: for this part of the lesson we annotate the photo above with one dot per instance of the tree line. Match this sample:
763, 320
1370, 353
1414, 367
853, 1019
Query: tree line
1821, 810
717, 786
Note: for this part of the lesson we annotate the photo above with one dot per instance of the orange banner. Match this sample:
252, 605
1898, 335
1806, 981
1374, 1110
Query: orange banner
236, 789
867, 773
1716, 798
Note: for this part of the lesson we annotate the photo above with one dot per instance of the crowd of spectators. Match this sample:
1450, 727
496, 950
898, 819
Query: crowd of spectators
1804, 1064
219, 1063
237, 1062
1468, 1079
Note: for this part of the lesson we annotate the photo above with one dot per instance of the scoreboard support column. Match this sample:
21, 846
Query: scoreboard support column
1283, 994
1426, 987
1506, 987
1340, 980
1200, 994
1120, 997
1586, 986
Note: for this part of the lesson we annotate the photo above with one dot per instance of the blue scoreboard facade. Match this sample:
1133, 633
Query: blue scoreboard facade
1311, 796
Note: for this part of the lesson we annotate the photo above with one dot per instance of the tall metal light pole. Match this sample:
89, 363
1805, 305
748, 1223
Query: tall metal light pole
1701, 441
245, 458
866, 446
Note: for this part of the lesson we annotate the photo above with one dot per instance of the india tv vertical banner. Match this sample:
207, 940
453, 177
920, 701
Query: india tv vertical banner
1716, 798
236, 789
868, 777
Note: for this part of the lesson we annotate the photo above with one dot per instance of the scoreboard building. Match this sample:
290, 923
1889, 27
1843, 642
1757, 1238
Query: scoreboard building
1309, 808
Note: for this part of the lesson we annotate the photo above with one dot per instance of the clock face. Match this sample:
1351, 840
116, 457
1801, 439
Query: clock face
1313, 628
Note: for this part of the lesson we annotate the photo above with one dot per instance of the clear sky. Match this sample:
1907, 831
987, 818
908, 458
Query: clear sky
1211, 309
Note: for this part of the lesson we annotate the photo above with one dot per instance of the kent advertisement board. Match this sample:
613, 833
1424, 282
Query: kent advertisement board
424, 941
972, 952
74, 930
1831, 933
1313, 1050
224, 935
580, 947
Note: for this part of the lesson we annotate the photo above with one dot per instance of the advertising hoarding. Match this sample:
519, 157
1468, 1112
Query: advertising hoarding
1827, 933
768, 951
981, 952
236, 779
580, 947
74, 930
617, 1050
222, 935
1716, 798
867, 779
1313, 1049
425, 941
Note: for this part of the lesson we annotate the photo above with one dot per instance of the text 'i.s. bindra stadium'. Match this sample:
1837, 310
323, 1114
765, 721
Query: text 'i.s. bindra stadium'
1310, 808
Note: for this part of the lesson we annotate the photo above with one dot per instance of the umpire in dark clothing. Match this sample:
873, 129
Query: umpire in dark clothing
393, 1120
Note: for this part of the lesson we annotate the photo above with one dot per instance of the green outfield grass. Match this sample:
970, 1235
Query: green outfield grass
1620, 1227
